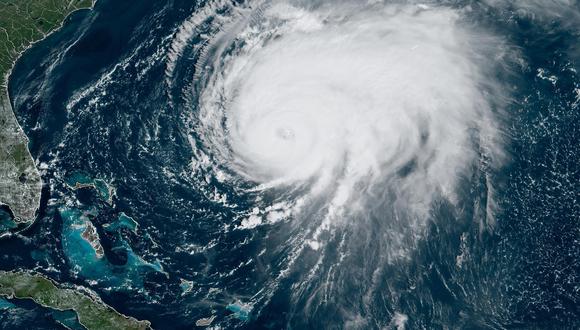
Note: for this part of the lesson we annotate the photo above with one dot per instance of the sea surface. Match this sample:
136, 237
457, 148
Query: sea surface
111, 102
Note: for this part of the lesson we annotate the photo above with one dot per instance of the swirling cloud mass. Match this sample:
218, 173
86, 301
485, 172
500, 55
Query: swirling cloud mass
347, 108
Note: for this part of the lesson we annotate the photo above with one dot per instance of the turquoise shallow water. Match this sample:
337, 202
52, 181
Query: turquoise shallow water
100, 109
6, 222
89, 265
5, 304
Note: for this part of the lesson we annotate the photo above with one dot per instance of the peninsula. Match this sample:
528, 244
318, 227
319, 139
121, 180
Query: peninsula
22, 23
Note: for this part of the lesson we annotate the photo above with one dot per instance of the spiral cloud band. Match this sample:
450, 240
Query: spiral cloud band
336, 104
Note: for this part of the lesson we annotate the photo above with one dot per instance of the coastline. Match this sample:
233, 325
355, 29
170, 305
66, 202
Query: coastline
20, 180
84, 302
6, 77
20, 192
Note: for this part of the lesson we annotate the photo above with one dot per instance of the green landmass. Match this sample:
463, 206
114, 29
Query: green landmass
91, 312
22, 23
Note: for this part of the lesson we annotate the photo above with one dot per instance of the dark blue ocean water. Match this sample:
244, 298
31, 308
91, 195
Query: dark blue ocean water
94, 101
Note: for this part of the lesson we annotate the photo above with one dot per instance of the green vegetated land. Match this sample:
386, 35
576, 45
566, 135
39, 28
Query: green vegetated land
23, 22
91, 313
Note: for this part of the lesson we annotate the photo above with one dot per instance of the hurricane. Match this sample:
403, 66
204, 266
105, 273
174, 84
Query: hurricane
336, 116
306, 164
324, 112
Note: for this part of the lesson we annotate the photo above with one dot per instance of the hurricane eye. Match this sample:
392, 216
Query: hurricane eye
285, 133
344, 115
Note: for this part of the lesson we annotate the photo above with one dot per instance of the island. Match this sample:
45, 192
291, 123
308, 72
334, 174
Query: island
80, 180
22, 23
92, 313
